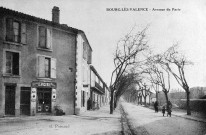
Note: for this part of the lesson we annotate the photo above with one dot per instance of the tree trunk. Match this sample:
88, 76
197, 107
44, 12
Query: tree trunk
156, 95
145, 102
111, 102
166, 97
188, 102
141, 100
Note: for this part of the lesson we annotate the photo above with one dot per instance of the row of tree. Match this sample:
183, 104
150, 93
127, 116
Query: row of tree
135, 64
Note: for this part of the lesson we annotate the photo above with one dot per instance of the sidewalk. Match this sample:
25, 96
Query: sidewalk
183, 114
89, 123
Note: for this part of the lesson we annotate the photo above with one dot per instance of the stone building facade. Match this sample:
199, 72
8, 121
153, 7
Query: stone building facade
37, 64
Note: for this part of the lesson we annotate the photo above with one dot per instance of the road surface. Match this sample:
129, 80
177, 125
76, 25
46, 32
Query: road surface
144, 121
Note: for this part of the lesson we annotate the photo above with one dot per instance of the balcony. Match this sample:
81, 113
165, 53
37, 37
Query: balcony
98, 88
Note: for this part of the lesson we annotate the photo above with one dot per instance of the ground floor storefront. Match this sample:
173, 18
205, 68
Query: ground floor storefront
28, 99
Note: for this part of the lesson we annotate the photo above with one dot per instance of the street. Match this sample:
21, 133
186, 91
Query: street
130, 119
144, 121
90, 122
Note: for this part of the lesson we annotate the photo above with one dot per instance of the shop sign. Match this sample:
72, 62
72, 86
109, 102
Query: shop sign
44, 84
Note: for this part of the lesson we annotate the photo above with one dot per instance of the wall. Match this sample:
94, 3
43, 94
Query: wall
63, 50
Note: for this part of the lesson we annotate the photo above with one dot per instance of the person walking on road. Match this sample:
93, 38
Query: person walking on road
163, 110
156, 106
169, 108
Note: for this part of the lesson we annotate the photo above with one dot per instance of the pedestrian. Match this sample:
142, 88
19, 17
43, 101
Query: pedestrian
169, 108
89, 106
156, 106
163, 110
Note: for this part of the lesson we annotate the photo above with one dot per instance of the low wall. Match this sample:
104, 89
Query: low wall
198, 105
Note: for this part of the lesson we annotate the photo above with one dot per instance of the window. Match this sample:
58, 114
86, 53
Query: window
89, 56
12, 63
87, 53
46, 67
45, 38
15, 31
82, 98
84, 50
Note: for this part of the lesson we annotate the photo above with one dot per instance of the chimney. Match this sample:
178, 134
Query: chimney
55, 14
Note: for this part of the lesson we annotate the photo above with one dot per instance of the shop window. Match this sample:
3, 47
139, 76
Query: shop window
45, 38
47, 67
12, 63
15, 31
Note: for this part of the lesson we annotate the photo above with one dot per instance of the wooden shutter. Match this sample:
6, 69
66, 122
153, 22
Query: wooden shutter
23, 33
49, 39
41, 65
53, 68
89, 56
9, 29
42, 37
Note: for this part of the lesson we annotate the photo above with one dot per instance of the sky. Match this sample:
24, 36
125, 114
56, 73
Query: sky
103, 28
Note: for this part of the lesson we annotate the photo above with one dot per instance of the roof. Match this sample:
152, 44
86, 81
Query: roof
5, 11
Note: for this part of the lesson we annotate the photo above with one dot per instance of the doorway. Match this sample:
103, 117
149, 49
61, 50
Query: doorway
25, 100
44, 100
10, 100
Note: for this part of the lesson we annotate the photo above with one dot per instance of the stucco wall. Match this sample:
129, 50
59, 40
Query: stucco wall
63, 49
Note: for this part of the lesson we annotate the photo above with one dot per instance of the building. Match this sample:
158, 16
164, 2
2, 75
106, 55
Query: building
144, 96
99, 92
37, 64
83, 61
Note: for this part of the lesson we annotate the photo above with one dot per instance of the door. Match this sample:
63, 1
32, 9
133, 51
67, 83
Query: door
10, 100
43, 100
25, 100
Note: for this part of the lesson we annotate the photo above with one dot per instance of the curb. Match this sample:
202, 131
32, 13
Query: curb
124, 122
194, 119
189, 118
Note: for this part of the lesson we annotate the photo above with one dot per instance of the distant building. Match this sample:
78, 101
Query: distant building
99, 92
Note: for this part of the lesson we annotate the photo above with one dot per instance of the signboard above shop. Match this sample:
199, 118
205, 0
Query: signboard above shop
37, 84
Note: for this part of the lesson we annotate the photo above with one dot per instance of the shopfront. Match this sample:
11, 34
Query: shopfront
43, 97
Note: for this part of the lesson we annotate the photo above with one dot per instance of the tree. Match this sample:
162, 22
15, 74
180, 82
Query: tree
175, 63
126, 82
158, 74
128, 89
125, 56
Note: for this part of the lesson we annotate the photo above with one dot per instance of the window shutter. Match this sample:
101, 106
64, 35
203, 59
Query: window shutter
42, 37
41, 65
53, 68
23, 33
89, 56
49, 39
9, 29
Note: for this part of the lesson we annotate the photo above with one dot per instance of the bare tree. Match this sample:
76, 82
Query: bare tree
126, 54
175, 63
126, 82
158, 74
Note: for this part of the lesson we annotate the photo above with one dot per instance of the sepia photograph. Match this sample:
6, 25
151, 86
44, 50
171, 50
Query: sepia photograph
106, 67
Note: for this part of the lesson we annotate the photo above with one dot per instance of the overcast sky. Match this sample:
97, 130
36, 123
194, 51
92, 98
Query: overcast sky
104, 28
